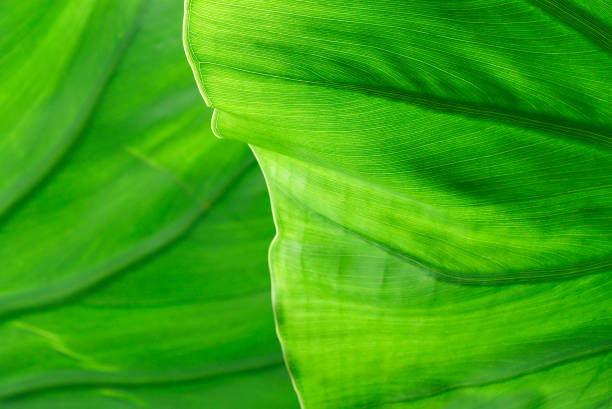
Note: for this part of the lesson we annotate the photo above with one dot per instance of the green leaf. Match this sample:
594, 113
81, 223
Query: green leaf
133, 242
441, 175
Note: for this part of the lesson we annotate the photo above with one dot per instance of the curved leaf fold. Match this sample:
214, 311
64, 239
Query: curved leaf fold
440, 176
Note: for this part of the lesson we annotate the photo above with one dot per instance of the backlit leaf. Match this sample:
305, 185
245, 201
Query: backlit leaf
440, 174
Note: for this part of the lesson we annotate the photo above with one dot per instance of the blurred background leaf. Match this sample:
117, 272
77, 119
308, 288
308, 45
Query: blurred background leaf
133, 242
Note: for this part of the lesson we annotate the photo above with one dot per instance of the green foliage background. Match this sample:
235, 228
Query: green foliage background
133, 242
440, 177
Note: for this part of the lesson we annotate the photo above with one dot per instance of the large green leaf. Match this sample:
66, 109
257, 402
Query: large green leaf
133, 243
441, 175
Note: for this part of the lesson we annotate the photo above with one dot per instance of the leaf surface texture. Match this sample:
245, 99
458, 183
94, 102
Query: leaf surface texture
440, 175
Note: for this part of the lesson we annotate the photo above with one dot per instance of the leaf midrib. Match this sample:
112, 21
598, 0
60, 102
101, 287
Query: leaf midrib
505, 278
586, 134
560, 362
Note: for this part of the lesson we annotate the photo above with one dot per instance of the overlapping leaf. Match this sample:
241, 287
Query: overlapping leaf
133, 243
440, 174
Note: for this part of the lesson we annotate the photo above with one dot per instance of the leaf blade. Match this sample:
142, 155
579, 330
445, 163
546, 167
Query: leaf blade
440, 178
